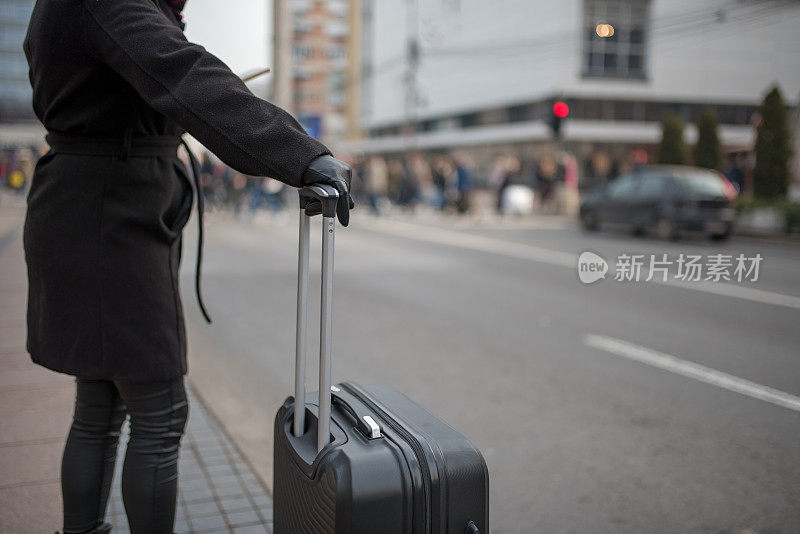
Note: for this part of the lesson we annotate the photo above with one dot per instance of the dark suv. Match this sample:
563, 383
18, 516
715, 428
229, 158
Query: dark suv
666, 200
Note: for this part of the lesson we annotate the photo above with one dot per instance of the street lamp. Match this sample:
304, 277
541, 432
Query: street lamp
604, 30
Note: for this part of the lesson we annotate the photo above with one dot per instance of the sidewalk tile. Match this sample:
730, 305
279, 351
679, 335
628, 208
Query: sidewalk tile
28, 509
199, 494
245, 517
16, 360
235, 504
28, 376
30, 463
209, 523
60, 399
31, 426
203, 508
254, 529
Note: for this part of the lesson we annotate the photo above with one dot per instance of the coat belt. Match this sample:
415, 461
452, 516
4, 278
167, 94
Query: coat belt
123, 147
147, 146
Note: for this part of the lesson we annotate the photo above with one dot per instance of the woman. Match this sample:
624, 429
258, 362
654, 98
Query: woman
116, 84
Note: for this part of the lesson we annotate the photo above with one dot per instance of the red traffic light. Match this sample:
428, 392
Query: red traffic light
560, 110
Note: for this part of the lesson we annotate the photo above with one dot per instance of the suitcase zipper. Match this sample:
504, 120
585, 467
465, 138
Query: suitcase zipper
413, 443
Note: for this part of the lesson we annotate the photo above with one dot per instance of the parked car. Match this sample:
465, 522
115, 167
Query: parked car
665, 200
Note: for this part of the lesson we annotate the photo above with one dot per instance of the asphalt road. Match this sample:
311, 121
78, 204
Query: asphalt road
561, 385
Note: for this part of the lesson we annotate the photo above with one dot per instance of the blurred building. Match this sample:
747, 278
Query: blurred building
18, 124
15, 89
311, 62
468, 73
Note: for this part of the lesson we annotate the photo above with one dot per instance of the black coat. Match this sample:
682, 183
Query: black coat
102, 233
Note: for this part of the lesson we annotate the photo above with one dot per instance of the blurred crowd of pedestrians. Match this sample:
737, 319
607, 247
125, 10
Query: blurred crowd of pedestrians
550, 184
226, 189
446, 182
450, 182
443, 182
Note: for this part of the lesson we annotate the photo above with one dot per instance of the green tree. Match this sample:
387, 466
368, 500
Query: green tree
672, 150
773, 148
707, 151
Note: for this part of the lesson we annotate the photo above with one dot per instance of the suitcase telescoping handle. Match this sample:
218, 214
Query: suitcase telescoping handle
328, 196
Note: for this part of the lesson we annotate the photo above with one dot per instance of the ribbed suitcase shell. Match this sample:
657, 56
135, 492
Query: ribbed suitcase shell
420, 477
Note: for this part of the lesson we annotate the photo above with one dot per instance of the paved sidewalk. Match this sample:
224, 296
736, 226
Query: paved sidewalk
219, 493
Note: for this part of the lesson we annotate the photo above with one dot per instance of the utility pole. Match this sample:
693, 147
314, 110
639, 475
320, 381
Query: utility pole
794, 174
411, 89
355, 42
282, 32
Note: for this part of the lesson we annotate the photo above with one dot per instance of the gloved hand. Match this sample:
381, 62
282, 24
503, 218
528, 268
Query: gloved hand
329, 170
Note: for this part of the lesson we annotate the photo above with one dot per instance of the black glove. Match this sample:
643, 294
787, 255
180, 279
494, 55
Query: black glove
329, 170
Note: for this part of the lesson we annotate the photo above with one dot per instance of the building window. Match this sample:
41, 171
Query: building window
337, 99
337, 7
336, 29
301, 6
302, 27
615, 38
337, 52
337, 81
470, 119
520, 113
302, 74
303, 52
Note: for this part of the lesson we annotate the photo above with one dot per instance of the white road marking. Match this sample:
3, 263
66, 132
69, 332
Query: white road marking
474, 242
564, 259
692, 370
736, 291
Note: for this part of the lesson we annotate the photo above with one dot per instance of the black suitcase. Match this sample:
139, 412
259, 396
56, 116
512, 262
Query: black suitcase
388, 465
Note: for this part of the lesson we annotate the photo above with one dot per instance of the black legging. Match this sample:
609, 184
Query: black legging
150, 473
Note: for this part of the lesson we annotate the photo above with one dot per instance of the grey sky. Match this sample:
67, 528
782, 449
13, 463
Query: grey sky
237, 31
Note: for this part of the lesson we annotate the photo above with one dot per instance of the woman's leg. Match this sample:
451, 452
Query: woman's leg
88, 463
150, 474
